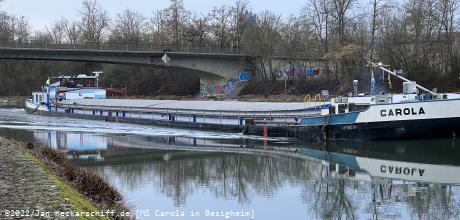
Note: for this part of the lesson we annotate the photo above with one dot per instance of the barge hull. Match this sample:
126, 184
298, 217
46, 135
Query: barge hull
177, 124
393, 130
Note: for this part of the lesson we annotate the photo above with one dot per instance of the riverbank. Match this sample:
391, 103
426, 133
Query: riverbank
12, 101
41, 183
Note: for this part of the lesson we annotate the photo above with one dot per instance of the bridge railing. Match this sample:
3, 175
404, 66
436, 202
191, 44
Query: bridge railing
148, 47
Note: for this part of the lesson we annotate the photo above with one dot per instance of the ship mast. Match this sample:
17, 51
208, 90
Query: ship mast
382, 67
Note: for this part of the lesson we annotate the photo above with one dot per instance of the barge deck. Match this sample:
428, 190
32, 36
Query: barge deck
229, 116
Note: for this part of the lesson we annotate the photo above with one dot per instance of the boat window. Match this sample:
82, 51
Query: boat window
358, 107
342, 108
331, 110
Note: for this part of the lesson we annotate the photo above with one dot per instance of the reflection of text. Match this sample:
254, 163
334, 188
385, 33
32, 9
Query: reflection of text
202, 213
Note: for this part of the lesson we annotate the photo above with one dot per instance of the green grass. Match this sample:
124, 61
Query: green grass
78, 202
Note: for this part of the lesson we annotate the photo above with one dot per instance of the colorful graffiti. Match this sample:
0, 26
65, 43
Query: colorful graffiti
230, 86
211, 88
293, 73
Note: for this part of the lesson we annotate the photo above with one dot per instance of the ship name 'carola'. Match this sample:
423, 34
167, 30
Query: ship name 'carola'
401, 111
408, 171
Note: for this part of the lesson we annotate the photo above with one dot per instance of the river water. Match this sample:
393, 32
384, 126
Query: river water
167, 173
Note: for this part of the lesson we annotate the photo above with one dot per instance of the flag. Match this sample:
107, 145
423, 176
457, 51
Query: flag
309, 72
389, 80
382, 78
372, 81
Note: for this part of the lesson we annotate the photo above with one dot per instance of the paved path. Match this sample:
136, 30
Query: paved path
24, 185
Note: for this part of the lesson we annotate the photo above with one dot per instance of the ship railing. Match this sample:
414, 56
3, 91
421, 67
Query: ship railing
314, 104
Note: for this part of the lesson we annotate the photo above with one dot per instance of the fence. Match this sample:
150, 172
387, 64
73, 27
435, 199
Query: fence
153, 47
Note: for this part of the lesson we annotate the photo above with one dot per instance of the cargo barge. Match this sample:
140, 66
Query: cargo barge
417, 113
80, 96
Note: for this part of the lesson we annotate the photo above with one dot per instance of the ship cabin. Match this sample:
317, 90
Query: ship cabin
360, 102
70, 87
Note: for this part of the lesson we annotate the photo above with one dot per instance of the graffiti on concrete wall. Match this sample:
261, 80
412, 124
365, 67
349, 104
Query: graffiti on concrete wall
230, 86
296, 71
217, 87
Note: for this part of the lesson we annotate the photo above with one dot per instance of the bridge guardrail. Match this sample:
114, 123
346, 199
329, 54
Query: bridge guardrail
151, 47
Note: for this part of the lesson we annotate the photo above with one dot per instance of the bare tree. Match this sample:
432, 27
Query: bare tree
57, 31
197, 31
380, 8
317, 14
447, 9
73, 31
6, 27
22, 30
340, 10
239, 21
221, 17
42, 37
94, 22
269, 25
176, 16
129, 27
293, 32
159, 27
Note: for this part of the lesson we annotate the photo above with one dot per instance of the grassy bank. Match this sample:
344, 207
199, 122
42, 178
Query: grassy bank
77, 201
78, 190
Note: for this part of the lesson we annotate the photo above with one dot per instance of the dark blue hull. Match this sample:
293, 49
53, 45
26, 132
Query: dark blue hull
393, 130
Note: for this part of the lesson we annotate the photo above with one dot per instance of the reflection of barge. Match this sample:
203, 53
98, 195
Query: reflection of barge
396, 160
368, 168
365, 161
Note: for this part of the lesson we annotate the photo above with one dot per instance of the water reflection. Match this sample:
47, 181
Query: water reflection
362, 180
334, 181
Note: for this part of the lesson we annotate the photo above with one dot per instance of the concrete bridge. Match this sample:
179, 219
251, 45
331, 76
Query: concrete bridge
205, 65
214, 69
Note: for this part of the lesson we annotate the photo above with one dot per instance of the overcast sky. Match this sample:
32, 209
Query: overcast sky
44, 12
